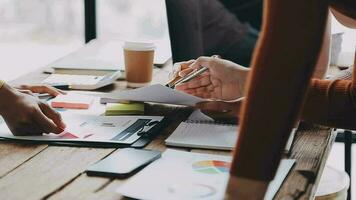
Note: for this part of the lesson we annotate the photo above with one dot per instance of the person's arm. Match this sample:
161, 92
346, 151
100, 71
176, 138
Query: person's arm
185, 29
283, 63
223, 34
335, 101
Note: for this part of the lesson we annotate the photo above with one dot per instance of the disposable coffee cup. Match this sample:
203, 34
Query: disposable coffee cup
138, 63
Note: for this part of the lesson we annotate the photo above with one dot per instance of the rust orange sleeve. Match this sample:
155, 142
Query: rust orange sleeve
282, 66
331, 103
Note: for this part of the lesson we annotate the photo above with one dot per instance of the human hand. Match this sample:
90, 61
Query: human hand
27, 115
180, 66
221, 110
29, 89
224, 80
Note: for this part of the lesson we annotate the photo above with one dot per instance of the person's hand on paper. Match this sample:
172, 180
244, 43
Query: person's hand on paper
224, 80
30, 89
27, 115
221, 110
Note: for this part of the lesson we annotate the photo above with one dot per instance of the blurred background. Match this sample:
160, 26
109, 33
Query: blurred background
34, 33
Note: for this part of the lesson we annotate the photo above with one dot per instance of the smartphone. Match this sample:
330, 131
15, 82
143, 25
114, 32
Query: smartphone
123, 163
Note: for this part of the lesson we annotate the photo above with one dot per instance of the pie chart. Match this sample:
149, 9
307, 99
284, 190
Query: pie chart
211, 166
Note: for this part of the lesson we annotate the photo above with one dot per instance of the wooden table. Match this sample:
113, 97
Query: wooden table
40, 171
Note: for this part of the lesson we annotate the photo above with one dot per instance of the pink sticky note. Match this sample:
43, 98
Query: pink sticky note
68, 135
72, 101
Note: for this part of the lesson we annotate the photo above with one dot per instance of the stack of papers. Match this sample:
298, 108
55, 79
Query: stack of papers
124, 109
186, 175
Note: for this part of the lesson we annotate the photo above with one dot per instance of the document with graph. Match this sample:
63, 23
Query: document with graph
98, 129
186, 175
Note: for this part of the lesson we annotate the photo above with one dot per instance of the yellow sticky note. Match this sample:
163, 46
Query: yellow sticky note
124, 109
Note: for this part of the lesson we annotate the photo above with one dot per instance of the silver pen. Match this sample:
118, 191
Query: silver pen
172, 83
191, 75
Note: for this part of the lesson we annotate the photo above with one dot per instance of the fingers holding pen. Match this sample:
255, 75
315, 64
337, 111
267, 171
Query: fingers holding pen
203, 61
179, 67
199, 81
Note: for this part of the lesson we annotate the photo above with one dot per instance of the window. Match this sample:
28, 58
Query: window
33, 33
349, 39
346, 57
133, 20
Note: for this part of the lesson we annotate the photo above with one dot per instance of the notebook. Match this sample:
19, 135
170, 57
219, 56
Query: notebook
203, 135
185, 175
208, 134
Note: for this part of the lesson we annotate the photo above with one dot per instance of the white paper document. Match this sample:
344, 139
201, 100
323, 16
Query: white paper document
154, 93
198, 115
87, 128
185, 175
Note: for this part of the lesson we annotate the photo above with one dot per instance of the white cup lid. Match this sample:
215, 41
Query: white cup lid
139, 46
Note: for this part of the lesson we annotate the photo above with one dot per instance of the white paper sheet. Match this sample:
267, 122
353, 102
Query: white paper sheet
186, 175
155, 93
198, 115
